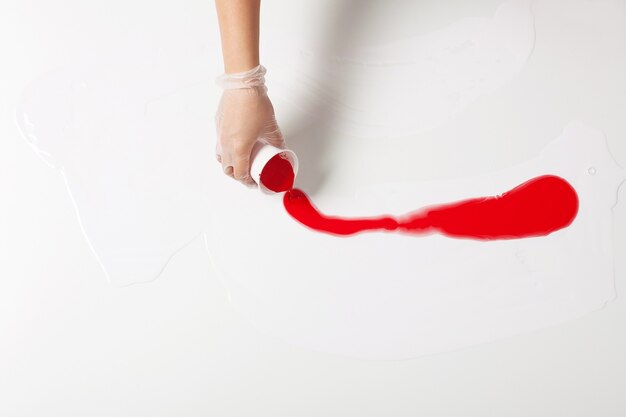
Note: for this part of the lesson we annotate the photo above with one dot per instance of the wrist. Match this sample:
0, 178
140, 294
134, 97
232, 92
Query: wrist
240, 64
253, 77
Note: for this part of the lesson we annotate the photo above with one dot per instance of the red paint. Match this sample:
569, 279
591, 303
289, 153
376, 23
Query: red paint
537, 207
277, 175
300, 208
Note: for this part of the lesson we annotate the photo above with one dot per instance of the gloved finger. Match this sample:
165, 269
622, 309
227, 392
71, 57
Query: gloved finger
227, 165
242, 168
218, 152
249, 182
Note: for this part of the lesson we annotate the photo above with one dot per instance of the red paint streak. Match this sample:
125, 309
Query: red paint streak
277, 175
537, 207
299, 206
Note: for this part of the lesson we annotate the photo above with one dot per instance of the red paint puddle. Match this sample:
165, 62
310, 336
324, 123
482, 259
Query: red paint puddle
537, 207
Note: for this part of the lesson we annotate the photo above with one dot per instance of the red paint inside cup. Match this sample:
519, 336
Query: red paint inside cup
277, 175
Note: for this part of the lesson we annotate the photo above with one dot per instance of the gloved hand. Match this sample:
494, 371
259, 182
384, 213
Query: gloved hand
245, 115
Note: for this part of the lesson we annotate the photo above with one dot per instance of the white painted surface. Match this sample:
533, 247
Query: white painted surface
72, 345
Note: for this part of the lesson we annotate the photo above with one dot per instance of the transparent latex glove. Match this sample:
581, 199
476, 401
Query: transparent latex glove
244, 116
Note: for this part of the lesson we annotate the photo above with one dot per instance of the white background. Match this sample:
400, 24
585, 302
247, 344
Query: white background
70, 345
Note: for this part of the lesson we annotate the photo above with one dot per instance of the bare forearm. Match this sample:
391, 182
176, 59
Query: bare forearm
239, 30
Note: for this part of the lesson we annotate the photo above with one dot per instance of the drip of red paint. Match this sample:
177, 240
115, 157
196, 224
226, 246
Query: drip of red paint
537, 207
277, 175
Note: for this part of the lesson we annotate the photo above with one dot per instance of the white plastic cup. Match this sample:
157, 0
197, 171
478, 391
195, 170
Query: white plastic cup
261, 155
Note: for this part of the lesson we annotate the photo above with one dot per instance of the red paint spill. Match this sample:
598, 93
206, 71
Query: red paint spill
299, 206
277, 175
537, 207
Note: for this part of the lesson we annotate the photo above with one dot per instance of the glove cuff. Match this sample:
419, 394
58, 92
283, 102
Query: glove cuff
254, 77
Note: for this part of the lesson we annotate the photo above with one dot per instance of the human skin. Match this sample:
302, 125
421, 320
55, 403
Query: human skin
244, 114
239, 31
